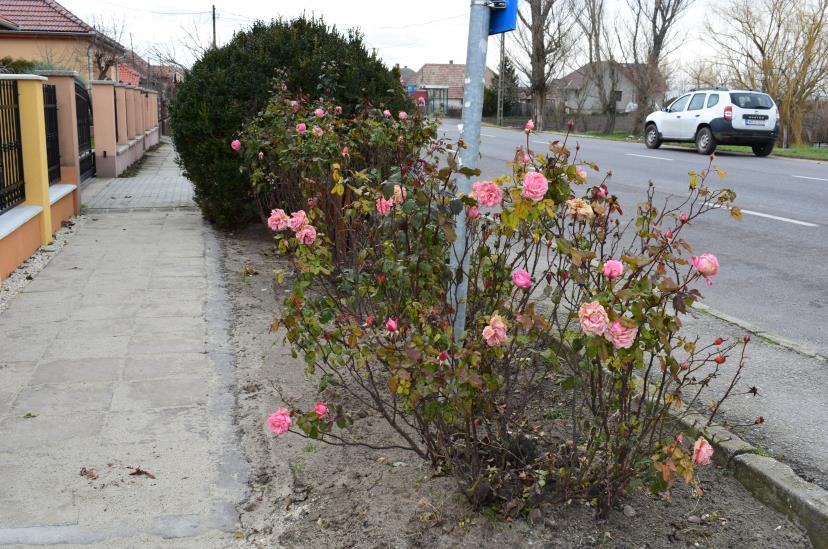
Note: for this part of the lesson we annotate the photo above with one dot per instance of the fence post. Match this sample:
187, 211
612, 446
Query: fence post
103, 113
121, 113
64, 82
33, 141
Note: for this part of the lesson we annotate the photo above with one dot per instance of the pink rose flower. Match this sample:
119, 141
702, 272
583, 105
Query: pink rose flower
593, 318
707, 265
261, 155
619, 335
235, 144
297, 220
279, 422
684, 218
306, 235
403, 115
278, 220
399, 194
602, 192
321, 409
386, 113
535, 186
346, 151
526, 158
580, 174
613, 269
487, 193
301, 128
702, 451
384, 206
522, 279
319, 112
421, 101
529, 126
294, 105
669, 234
472, 212
337, 110
317, 131
391, 325
495, 332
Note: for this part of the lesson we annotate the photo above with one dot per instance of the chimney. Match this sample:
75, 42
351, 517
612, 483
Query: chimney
451, 61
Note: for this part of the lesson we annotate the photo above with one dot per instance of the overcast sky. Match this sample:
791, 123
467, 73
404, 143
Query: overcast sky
408, 32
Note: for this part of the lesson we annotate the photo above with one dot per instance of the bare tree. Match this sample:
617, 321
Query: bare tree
181, 53
602, 71
777, 46
645, 40
105, 48
544, 40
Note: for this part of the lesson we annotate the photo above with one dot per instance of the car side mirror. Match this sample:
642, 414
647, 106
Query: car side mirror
665, 109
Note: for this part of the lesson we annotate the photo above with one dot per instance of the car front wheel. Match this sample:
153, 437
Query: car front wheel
762, 149
705, 142
651, 137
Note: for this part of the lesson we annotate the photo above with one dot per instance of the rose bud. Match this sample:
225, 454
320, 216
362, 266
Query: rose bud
718, 341
719, 359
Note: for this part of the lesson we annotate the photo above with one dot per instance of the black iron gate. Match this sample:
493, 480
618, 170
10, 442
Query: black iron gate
84, 112
12, 184
52, 139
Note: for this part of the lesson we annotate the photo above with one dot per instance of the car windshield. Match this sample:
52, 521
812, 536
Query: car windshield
751, 100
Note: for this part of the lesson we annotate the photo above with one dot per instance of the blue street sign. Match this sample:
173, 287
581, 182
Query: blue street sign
411, 88
503, 19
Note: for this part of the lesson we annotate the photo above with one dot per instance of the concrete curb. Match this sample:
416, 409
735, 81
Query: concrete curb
771, 482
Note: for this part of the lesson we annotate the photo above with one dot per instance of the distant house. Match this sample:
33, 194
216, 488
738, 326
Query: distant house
577, 92
444, 84
128, 75
44, 32
407, 75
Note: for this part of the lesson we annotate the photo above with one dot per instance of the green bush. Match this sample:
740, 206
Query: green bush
230, 85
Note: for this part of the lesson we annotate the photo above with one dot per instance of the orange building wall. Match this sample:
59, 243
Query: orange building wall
62, 210
19, 246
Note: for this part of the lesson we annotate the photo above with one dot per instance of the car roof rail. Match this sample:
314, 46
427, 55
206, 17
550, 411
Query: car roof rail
711, 88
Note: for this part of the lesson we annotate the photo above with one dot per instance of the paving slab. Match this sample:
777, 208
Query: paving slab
112, 361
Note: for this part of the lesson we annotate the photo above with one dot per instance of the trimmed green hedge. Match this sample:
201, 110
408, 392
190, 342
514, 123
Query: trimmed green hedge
229, 85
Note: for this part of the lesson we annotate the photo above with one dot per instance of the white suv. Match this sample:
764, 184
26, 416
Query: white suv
716, 116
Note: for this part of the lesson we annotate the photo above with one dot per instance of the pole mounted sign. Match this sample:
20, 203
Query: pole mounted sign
503, 16
494, 17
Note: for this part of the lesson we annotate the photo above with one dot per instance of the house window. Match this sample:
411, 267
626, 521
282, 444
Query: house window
616, 95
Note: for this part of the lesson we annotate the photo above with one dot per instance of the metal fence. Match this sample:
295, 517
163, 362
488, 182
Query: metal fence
84, 114
12, 185
50, 110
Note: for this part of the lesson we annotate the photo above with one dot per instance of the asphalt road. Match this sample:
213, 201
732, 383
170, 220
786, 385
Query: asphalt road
773, 263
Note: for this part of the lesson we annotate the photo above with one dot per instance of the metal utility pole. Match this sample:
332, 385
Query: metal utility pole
500, 85
470, 134
214, 26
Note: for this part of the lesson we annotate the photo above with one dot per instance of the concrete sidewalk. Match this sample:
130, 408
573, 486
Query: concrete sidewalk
116, 403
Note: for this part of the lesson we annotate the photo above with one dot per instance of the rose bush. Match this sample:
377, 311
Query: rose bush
571, 362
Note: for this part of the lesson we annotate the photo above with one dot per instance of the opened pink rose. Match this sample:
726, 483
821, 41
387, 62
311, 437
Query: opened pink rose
702, 451
522, 279
297, 220
403, 115
301, 128
306, 235
384, 206
495, 332
321, 409
279, 421
613, 268
278, 220
487, 193
317, 131
593, 318
529, 126
235, 144
294, 105
386, 113
619, 335
707, 265
319, 112
535, 186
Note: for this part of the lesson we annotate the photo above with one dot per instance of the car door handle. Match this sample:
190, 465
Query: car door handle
698, 115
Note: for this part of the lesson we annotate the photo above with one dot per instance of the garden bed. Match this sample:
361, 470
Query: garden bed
308, 494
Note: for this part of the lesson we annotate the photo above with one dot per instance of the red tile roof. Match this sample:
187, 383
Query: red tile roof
128, 75
6, 22
446, 74
42, 16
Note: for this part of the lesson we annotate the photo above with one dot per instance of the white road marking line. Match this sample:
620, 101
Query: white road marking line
653, 157
488, 135
540, 142
814, 178
777, 218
